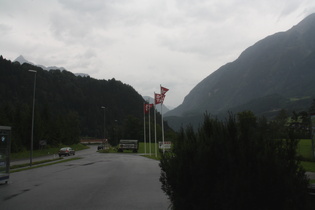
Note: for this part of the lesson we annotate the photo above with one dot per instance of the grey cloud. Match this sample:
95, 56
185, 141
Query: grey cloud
67, 28
83, 6
289, 7
4, 29
104, 13
104, 38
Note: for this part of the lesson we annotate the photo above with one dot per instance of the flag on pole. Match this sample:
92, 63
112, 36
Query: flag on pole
163, 90
158, 98
162, 95
147, 108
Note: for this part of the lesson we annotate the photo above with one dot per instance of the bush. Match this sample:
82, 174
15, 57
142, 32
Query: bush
234, 165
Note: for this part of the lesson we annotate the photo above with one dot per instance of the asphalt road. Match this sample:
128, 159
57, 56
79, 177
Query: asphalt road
97, 181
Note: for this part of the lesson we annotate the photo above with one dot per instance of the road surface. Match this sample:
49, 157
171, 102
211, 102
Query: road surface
97, 181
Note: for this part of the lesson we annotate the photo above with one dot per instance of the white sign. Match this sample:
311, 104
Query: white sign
167, 145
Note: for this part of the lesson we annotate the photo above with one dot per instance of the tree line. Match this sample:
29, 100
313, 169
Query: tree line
67, 107
243, 162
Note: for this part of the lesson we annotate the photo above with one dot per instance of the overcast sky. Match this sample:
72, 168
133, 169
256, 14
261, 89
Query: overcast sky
143, 43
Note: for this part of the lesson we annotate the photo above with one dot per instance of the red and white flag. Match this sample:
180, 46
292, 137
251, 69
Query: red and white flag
147, 107
158, 98
163, 90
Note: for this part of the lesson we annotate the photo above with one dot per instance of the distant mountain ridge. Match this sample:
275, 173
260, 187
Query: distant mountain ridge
22, 60
276, 72
59, 93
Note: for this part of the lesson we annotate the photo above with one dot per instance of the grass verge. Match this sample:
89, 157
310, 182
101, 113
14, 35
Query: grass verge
142, 149
305, 149
45, 152
151, 157
34, 163
38, 164
308, 166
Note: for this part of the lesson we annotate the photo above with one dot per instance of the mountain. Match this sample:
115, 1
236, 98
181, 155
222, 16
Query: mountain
164, 108
68, 107
275, 73
22, 60
81, 74
62, 92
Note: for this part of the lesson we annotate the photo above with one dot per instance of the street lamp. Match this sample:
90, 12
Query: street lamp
103, 107
32, 135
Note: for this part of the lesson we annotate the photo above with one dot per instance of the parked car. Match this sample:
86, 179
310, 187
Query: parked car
101, 146
66, 151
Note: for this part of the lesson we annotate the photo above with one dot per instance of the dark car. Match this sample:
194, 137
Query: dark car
101, 146
66, 151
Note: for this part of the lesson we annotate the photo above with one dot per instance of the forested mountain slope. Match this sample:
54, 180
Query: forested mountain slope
66, 103
275, 73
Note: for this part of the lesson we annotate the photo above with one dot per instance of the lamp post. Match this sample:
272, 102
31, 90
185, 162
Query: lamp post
116, 132
32, 133
103, 107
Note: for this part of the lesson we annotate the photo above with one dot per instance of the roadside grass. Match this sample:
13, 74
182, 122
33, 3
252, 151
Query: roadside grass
152, 157
143, 148
38, 164
44, 152
308, 166
305, 149
34, 163
154, 153
149, 148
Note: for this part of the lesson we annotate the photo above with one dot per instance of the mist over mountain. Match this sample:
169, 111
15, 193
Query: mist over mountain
276, 73
22, 60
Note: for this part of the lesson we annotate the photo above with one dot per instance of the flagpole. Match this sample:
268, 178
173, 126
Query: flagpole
163, 91
155, 144
144, 133
149, 129
155, 122
162, 129
155, 132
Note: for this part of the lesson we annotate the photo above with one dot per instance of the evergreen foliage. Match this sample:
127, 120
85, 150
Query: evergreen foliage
67, 107
239, 163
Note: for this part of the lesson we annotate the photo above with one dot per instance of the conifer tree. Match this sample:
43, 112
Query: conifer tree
239, 163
